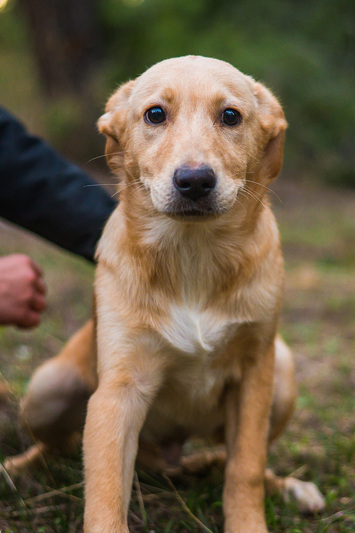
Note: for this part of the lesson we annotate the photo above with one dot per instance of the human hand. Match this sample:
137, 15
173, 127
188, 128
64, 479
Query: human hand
22, 291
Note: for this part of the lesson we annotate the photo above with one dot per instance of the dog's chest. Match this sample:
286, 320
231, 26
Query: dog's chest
190, 397
195, 331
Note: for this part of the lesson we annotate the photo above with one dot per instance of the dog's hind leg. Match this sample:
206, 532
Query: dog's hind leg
305, 494
54, 407
199, 462
285, 390
18, 464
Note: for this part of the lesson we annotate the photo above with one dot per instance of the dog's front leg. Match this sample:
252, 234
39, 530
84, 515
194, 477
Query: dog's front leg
116, 413
247, 419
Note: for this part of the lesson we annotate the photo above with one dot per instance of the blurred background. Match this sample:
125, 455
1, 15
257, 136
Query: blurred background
59, 62
60, 59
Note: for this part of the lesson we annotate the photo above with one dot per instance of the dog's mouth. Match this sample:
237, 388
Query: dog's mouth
200, 210
194, 212
197, 214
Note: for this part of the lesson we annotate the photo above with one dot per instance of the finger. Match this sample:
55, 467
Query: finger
30, 320
37, 269
41, 286
38, 303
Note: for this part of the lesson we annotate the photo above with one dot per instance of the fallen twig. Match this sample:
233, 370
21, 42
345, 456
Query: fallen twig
57, 492
189, 512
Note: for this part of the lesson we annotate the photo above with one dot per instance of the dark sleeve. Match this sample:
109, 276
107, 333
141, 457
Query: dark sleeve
44, 193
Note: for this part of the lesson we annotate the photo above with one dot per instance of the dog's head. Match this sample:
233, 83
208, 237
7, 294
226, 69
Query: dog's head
191, 133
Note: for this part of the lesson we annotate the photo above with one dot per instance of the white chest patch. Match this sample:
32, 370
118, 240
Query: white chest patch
194, 331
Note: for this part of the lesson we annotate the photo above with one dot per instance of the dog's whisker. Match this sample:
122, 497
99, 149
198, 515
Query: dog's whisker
265, 187
247, 192
95, 158
250, 194
127, 185
138, 184
242, 205
104, 155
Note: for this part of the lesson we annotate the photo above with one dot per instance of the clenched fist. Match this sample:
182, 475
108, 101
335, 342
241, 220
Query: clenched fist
22, 291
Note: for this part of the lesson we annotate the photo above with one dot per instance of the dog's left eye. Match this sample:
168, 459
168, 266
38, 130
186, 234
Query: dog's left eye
155, 115
231, 117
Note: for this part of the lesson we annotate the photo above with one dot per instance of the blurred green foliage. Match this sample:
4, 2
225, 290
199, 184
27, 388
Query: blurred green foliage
303, 50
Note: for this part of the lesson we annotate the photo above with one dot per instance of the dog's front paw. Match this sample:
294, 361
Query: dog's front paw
305, 494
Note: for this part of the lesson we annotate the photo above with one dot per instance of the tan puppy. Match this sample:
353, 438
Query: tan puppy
188, 291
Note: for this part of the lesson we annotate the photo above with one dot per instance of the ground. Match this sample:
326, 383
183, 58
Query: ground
318, 232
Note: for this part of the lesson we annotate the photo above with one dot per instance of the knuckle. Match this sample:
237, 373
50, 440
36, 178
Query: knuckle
30, 277
22, 317
24, 259
27, 297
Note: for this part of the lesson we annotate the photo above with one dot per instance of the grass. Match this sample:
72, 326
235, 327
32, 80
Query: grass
318, 229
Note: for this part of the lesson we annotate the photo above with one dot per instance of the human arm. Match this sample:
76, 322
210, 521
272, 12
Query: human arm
46, 194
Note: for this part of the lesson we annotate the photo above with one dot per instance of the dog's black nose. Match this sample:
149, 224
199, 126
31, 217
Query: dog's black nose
194, 183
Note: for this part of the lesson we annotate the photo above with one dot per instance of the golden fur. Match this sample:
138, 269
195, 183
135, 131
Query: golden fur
187, 306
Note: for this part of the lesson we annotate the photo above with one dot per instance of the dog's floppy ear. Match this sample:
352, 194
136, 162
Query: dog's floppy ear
112, 124
273, 124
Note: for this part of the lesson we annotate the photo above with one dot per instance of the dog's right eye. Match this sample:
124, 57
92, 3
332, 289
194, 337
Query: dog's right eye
155, 115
